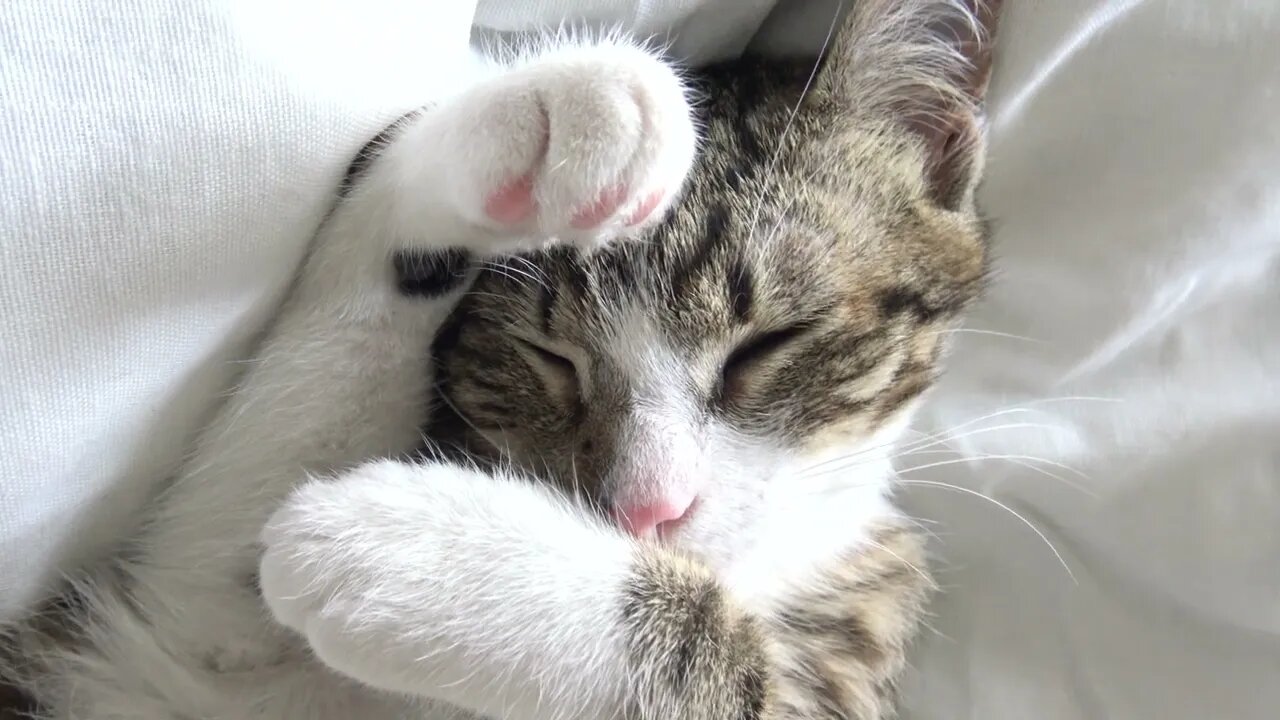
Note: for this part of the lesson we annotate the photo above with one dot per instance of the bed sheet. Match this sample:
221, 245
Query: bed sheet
164, 164
1130, 347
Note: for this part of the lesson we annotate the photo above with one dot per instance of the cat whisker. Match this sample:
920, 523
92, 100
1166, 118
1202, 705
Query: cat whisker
1029, 464
967, 491
444, 397
480, 293
992, 333
924, 526
573, 470
1023, 460
919, 445
501, 271
782, 213
884, 548
507, 271
786, 130
1028, 406
1026, 461
1046, 461
532, 268
927, 439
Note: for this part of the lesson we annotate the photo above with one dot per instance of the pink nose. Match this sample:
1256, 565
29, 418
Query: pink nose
647, 519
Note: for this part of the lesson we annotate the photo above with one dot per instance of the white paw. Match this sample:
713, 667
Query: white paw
339, 552
316, 564
301, 541
391, 563
584, 145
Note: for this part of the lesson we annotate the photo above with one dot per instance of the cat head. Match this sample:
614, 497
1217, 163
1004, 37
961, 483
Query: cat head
749, 362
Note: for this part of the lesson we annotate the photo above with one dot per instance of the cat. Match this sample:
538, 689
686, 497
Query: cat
661, 350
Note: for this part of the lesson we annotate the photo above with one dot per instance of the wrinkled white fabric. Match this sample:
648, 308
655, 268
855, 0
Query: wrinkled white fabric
163, 164
1134, 183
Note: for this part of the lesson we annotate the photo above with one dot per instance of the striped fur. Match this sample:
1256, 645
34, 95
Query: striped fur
758, 345
828, 653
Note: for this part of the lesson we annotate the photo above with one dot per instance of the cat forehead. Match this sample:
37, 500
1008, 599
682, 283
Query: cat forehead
786, 215
724, 258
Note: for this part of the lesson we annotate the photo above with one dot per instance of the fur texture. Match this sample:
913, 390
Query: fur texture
748, 354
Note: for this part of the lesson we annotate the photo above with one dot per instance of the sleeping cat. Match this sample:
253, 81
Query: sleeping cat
657, 476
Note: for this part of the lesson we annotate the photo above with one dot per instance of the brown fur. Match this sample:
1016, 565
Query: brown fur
829, 653
816, 222
826, 242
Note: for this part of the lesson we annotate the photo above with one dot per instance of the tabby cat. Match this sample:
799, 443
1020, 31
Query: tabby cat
660, 439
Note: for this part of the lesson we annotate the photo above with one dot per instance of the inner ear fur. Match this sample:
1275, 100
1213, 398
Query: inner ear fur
923, 65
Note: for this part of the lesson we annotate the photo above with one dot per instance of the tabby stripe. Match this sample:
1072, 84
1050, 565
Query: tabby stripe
902, 299
685, 635
548, 293
715, 225
750, 96
741, 289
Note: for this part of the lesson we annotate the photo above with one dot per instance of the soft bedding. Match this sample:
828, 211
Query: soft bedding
1099, 467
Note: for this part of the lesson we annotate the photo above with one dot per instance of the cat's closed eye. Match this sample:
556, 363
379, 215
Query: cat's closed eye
558, 373
747, 358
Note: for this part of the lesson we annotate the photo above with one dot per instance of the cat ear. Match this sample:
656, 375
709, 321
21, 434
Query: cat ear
923, 65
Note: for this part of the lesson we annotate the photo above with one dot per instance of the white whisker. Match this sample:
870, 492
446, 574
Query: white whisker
923, 575
1002, 506
786, 130
1023, 460
993, 333
511, 274
917, 446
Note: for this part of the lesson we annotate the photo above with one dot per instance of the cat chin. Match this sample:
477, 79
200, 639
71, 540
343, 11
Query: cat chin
764, 542
818, 508
810, 532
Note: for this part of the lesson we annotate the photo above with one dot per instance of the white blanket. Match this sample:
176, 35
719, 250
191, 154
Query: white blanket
163, 164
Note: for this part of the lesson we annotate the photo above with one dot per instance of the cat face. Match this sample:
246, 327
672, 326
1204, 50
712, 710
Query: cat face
748, 362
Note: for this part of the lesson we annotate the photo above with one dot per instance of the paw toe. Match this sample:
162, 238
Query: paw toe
604, 207
512, 203
285, 596
646, 208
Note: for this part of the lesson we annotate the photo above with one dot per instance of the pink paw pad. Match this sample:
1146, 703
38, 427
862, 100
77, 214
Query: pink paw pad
646, 208
512, 203
602, 209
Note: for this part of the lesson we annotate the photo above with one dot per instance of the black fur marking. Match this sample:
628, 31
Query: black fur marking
751, 94
430, 273
909, 382
715, 227
364, 158
548, 293
577, 280
488, 386
677, 622
734, 175
830, 697
446, 340
751, 686
855, 638
620, 268
903, 299
741, 290
492, 409
701, 625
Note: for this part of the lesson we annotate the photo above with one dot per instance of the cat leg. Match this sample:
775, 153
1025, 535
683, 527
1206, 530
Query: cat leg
499, 596
343, 374
581, 144
490, 593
